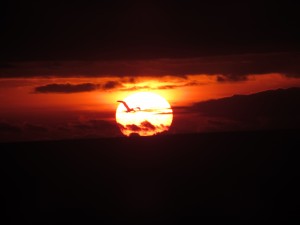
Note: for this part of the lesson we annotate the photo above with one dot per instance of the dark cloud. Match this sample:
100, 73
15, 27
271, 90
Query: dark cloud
230, 78
21, 128
10, 132
59, 125
130, 80
134, 135
166, 87
63, 128
161, 87
22, 131
191, 83
229, 67
82, 126
34, 128
76, 88
6, 127
95, 128
111, 85
88, 128
66, 88
133, 127
146, 125
136, 88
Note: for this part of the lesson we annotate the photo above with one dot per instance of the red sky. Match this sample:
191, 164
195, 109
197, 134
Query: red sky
64, 65
74, 107
224, 66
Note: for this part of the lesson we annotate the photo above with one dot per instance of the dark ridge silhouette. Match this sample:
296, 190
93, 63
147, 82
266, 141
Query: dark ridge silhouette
271, 102
282, 106
152, 180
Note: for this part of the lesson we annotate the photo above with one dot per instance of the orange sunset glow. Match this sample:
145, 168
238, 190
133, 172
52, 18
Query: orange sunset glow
21, 92
149, 112
46, 103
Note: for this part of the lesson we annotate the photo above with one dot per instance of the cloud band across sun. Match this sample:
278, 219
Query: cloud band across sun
143, 128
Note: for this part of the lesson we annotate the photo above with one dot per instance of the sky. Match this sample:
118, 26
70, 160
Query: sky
63, 66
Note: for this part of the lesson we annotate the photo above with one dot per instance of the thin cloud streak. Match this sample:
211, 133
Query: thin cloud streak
69, 88
66, 88
162, 87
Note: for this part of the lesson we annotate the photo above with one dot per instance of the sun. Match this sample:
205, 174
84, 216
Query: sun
144, 114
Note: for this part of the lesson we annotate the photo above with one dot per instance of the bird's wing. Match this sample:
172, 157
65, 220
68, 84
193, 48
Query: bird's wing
125, 104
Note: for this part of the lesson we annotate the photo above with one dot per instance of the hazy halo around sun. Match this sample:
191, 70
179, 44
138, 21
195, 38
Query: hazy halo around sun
144, 114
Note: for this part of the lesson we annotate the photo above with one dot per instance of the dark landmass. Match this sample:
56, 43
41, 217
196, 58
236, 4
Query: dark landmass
271, 103
153, 180
272, 109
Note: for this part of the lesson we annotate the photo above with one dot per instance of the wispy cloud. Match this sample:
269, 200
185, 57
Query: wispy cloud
184, 83
230, 78
117, 84
111, 85
66, 88
136, 88
173, 86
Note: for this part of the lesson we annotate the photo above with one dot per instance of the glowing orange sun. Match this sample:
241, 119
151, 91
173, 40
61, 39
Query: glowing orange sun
144, 114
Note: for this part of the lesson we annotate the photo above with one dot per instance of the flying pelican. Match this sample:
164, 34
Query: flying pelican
127, 107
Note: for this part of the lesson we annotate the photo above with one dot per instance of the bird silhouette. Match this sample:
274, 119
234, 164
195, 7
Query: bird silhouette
129, 109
